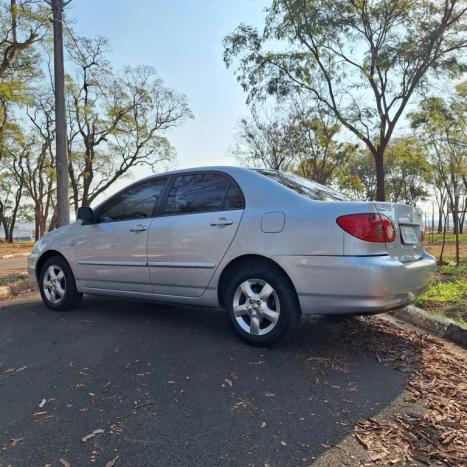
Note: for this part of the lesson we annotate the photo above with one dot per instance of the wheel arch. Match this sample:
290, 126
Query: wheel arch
241, 260
44, 257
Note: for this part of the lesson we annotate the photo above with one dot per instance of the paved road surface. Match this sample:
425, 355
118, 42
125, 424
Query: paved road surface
174, 386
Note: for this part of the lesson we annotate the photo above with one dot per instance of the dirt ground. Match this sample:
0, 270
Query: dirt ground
15, 248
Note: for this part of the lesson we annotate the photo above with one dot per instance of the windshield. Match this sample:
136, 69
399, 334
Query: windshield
303, 186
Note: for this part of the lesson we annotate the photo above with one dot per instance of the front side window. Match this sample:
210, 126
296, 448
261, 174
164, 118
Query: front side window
137, 202
201, 192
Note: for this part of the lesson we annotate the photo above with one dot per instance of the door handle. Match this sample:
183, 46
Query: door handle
221, 221
138, 228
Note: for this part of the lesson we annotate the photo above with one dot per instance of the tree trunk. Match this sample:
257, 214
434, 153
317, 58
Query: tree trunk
462, 218
5, 228
440, 220
379, 169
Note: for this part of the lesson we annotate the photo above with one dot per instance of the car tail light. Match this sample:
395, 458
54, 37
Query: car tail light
370, 227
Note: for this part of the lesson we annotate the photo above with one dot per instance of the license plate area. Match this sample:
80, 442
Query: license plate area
409, 234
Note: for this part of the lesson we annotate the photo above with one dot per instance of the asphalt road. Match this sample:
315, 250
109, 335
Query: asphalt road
174, 386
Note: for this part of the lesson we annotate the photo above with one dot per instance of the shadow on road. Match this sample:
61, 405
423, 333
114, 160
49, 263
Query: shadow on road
174, 386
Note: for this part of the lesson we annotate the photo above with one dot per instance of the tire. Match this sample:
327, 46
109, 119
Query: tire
61, 293
273, 314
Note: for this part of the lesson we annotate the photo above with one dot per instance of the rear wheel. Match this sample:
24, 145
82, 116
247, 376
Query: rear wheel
262, 305
57, 285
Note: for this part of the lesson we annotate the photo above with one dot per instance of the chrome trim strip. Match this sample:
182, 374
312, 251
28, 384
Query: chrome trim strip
114, 263
129, 293
151, 264
176, 264
112, 281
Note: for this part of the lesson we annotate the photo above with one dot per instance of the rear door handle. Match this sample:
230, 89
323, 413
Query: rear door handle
221, 221
138, 228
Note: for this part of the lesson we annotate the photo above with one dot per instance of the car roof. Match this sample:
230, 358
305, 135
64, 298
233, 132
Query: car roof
230, 169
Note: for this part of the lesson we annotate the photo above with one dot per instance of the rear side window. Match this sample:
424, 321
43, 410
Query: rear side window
136, 202
202, 192
234, 198
303, 186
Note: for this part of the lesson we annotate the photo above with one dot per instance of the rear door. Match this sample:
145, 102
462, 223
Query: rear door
193, 231
408, 245
111, 253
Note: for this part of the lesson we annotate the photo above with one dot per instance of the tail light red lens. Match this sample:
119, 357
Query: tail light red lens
370, 227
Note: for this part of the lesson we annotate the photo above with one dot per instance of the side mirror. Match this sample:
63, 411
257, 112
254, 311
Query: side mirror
85, 214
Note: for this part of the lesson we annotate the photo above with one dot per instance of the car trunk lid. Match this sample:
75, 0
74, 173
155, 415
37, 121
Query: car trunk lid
408, 245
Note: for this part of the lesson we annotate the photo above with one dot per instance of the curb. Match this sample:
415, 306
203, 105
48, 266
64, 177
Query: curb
14, 256
15, 288
444, 328
5, 292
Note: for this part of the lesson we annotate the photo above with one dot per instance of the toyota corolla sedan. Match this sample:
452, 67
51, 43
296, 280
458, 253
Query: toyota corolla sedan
267, 246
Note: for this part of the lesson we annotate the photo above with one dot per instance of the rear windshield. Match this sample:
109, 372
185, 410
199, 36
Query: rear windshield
303, 186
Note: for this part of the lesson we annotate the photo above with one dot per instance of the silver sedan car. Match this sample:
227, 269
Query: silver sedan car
267, 246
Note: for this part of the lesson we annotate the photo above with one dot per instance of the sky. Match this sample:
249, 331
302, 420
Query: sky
182, 39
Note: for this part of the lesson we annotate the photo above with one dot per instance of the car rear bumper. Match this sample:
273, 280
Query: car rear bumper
351, 284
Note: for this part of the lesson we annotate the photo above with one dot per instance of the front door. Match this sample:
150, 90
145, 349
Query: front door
189, 238
111, 253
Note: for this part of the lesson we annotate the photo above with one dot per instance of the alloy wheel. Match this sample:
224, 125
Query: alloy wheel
256, 307
54, 284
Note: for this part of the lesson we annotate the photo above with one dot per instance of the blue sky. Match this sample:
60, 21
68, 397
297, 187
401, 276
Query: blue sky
182, 40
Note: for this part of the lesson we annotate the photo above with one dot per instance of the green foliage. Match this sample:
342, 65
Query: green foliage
361, 60
440, 123
295, 138
120, 119
451, 271
450, 238
453, 293
406, 169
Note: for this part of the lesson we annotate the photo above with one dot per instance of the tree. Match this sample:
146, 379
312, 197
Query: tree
22, 24
361, 59
356, 176
11, 186
264, 141
318, 153
408, 171
441, 123
116, 122
39, 169
406, 167
292, 137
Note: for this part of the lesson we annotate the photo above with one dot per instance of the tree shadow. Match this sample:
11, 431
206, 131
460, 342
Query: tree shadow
187, 390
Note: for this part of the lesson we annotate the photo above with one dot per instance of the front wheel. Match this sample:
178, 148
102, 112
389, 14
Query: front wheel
262, 305
57, 285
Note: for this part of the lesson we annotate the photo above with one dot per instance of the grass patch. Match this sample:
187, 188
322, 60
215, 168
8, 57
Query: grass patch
12, 279
446, 299
449, 292
450, 238
453, 272
17, 282
447, 296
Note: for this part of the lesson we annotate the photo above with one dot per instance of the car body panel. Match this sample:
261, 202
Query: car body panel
332, 271
356, 284
113, 256
183, 251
